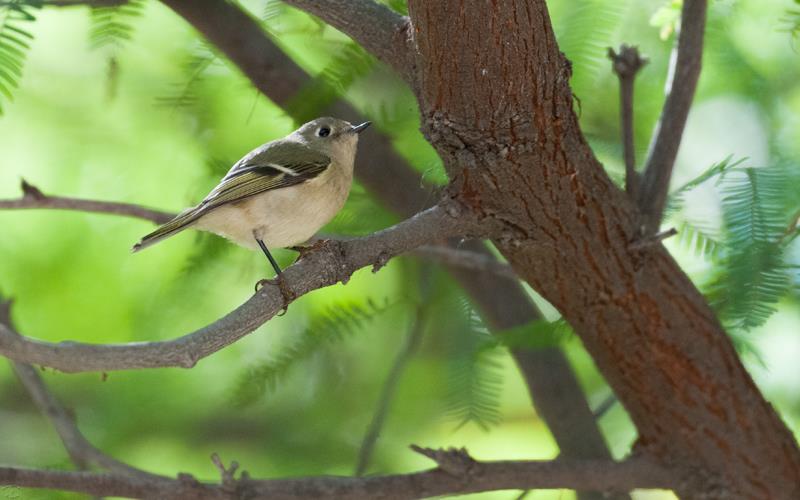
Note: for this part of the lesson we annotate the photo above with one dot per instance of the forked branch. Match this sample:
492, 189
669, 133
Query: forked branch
685, 65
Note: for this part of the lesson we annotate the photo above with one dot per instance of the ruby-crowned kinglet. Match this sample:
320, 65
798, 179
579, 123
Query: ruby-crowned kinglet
280, 194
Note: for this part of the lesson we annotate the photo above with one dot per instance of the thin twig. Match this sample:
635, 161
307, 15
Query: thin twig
33, 198
649, 241
626, 65
685, 66
389, 388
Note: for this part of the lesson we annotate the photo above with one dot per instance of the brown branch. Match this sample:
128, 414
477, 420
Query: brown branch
626, 65
685, 66
32, 198
447, 479
328, 264
374, 26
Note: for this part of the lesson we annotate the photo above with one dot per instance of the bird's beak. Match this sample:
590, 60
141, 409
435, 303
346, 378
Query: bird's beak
358, 128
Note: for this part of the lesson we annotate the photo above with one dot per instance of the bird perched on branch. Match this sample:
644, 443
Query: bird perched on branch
280, 194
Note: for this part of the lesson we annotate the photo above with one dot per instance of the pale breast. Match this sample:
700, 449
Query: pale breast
283, 217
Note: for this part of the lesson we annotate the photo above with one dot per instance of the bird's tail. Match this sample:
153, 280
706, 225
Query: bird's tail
175, 226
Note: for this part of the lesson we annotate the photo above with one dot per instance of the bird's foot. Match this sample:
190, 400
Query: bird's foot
304, 250
287, 294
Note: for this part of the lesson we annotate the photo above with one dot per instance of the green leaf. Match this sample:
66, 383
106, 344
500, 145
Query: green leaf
14, 44
667, 18
791, 21
184, 94
676, 198
701, 240
474, 374
326, 327
586, 30
752, 276
273, 10
347, 65
112, 26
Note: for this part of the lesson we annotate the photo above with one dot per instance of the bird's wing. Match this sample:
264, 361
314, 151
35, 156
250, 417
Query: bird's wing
277, 166
273, 166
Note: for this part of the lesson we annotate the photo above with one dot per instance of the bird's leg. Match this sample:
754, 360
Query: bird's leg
304, 250
269, 256
287, 294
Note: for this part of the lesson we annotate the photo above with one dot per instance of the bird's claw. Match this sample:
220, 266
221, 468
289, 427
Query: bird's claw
264, 282
286, 293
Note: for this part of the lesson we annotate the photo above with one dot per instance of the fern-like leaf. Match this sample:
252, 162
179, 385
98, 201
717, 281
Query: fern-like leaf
753, 275
273, 10
474, 376
701, 240
791, 21
111, 26
585, 33
717, 170
332, 325
347, 65
14, 44
184, 93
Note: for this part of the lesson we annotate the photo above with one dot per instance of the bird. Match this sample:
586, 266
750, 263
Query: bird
279, 194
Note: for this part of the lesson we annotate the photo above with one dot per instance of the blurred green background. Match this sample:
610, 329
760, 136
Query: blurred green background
148, 114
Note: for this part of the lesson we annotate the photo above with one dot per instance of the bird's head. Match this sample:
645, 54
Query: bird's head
331, 135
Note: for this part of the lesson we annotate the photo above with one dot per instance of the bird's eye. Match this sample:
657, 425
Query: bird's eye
324, 132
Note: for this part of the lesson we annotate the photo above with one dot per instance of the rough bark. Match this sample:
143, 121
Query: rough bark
496, 104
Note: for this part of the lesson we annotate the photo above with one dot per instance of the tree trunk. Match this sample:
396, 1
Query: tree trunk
496, 104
